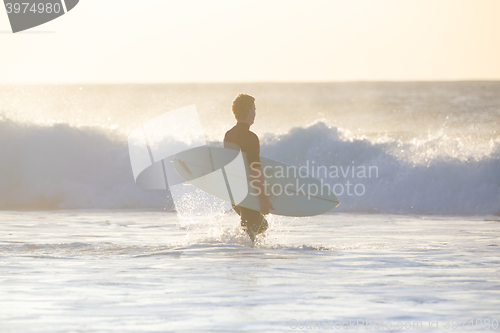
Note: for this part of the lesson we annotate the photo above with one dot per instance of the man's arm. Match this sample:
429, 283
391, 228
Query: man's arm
257, 175
258, 181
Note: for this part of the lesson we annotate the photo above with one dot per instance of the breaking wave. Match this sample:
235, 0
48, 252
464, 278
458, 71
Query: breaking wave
65, 167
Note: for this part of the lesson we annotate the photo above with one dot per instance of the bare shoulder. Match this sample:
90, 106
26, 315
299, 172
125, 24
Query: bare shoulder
254, 136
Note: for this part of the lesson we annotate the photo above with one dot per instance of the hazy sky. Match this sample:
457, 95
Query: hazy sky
270, 40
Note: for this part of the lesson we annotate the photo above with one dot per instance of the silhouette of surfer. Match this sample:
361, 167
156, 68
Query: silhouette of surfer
243, 108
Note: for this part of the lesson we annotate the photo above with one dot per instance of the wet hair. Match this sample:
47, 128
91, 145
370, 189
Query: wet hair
241, 106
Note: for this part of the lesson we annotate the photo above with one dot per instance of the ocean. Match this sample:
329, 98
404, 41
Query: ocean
414, 244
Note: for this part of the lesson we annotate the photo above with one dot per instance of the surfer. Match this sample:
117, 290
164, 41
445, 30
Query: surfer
243, 108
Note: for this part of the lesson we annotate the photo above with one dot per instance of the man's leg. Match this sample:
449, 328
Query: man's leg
252, 221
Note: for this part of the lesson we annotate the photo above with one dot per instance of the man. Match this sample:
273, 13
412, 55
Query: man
244, 112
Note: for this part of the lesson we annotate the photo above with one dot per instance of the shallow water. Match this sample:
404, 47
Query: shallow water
139, 271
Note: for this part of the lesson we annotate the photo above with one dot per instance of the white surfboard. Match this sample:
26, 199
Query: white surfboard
224, 173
